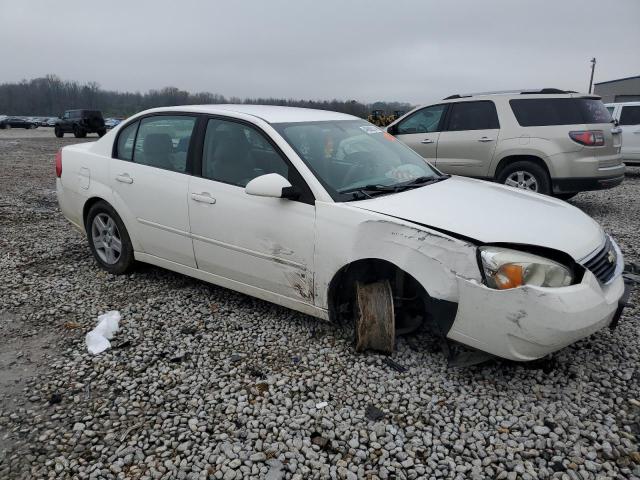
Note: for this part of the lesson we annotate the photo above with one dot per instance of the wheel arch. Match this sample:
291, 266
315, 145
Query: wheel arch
91, 201
510, 159
410, 295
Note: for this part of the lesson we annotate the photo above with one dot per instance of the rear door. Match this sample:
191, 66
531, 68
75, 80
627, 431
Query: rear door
421, 130
150, 181
468, 142
629, 121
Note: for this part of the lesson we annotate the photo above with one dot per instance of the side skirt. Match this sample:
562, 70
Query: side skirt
260, 293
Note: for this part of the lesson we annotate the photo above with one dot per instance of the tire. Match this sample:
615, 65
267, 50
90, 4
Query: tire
565, 196
79, 132
7, 126
106, 233
526, 175
102, 133
32, 126
58, 131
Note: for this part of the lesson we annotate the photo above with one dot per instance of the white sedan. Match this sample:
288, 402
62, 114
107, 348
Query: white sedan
324, 213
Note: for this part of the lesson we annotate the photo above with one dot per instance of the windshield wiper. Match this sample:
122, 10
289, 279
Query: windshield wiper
368, 190
419, 182
371, 190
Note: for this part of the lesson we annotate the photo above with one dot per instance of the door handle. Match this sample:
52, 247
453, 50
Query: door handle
124, 178
427, 141
485, 139
203, 197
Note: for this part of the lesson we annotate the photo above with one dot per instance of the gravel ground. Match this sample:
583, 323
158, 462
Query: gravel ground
203, 382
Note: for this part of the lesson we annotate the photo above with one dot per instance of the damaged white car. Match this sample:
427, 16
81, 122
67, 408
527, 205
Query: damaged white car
326, 214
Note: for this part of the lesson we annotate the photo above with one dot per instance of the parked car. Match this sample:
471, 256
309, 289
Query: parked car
547, 141
326, 214
17, 122
111, 122
80, 122
627, 115
51, 121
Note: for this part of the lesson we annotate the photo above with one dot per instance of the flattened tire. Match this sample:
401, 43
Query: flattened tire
525, 174
108, 238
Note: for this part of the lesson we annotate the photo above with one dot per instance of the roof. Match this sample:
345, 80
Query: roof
268, 113
617, 80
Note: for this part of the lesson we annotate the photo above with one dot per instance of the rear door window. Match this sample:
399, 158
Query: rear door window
163, 142
426, 120
630, 115
538, 112
480, 115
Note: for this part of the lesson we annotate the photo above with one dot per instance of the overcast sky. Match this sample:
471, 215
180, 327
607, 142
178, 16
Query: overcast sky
413, 50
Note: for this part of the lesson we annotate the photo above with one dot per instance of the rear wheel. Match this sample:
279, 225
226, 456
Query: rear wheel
527, 176
108, 239
58, 131
79, 132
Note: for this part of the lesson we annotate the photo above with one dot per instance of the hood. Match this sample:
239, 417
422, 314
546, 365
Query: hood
492, 213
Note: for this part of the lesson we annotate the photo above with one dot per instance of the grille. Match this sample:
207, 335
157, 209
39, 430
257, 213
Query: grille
603, 264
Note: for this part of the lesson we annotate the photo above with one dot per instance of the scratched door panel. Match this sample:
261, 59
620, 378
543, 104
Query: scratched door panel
259, 241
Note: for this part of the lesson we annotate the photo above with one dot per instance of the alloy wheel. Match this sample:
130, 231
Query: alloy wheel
106, 238
522, 179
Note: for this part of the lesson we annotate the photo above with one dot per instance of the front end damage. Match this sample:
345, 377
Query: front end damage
521, 324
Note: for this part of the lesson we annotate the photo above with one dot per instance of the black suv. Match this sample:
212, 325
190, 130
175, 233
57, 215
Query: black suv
80, 122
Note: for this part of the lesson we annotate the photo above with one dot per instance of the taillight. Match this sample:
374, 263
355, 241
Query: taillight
590, 138
59, 163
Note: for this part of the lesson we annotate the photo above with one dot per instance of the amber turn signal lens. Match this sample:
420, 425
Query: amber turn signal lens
509, 276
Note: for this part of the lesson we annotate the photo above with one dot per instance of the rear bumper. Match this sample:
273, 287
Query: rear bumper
571, 185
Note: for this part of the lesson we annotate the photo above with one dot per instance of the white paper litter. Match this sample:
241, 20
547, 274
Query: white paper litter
98, 338
320, 405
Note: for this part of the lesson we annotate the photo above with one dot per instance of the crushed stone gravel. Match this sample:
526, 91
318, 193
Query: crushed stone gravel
205, 383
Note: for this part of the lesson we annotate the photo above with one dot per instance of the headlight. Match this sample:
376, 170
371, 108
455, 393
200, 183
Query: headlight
505, 268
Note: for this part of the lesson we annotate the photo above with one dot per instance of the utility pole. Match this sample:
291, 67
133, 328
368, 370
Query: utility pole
593, 67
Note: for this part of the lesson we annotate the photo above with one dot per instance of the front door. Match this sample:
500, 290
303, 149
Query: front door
468, 142
421, 131
150, 183
261, 242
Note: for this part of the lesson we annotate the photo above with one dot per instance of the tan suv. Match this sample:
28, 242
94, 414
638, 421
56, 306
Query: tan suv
549, 141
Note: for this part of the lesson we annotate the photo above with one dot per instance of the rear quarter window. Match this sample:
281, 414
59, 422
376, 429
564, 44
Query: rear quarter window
538, 112
126, 138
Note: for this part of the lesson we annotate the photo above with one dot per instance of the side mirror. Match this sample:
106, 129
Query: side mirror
271, 185
392, 129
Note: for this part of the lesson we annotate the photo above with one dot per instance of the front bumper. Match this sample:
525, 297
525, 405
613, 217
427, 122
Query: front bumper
530, 322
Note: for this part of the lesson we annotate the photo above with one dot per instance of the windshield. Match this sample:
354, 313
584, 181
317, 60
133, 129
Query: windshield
346, 155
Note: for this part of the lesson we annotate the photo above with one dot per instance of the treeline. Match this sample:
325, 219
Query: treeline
50, 96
